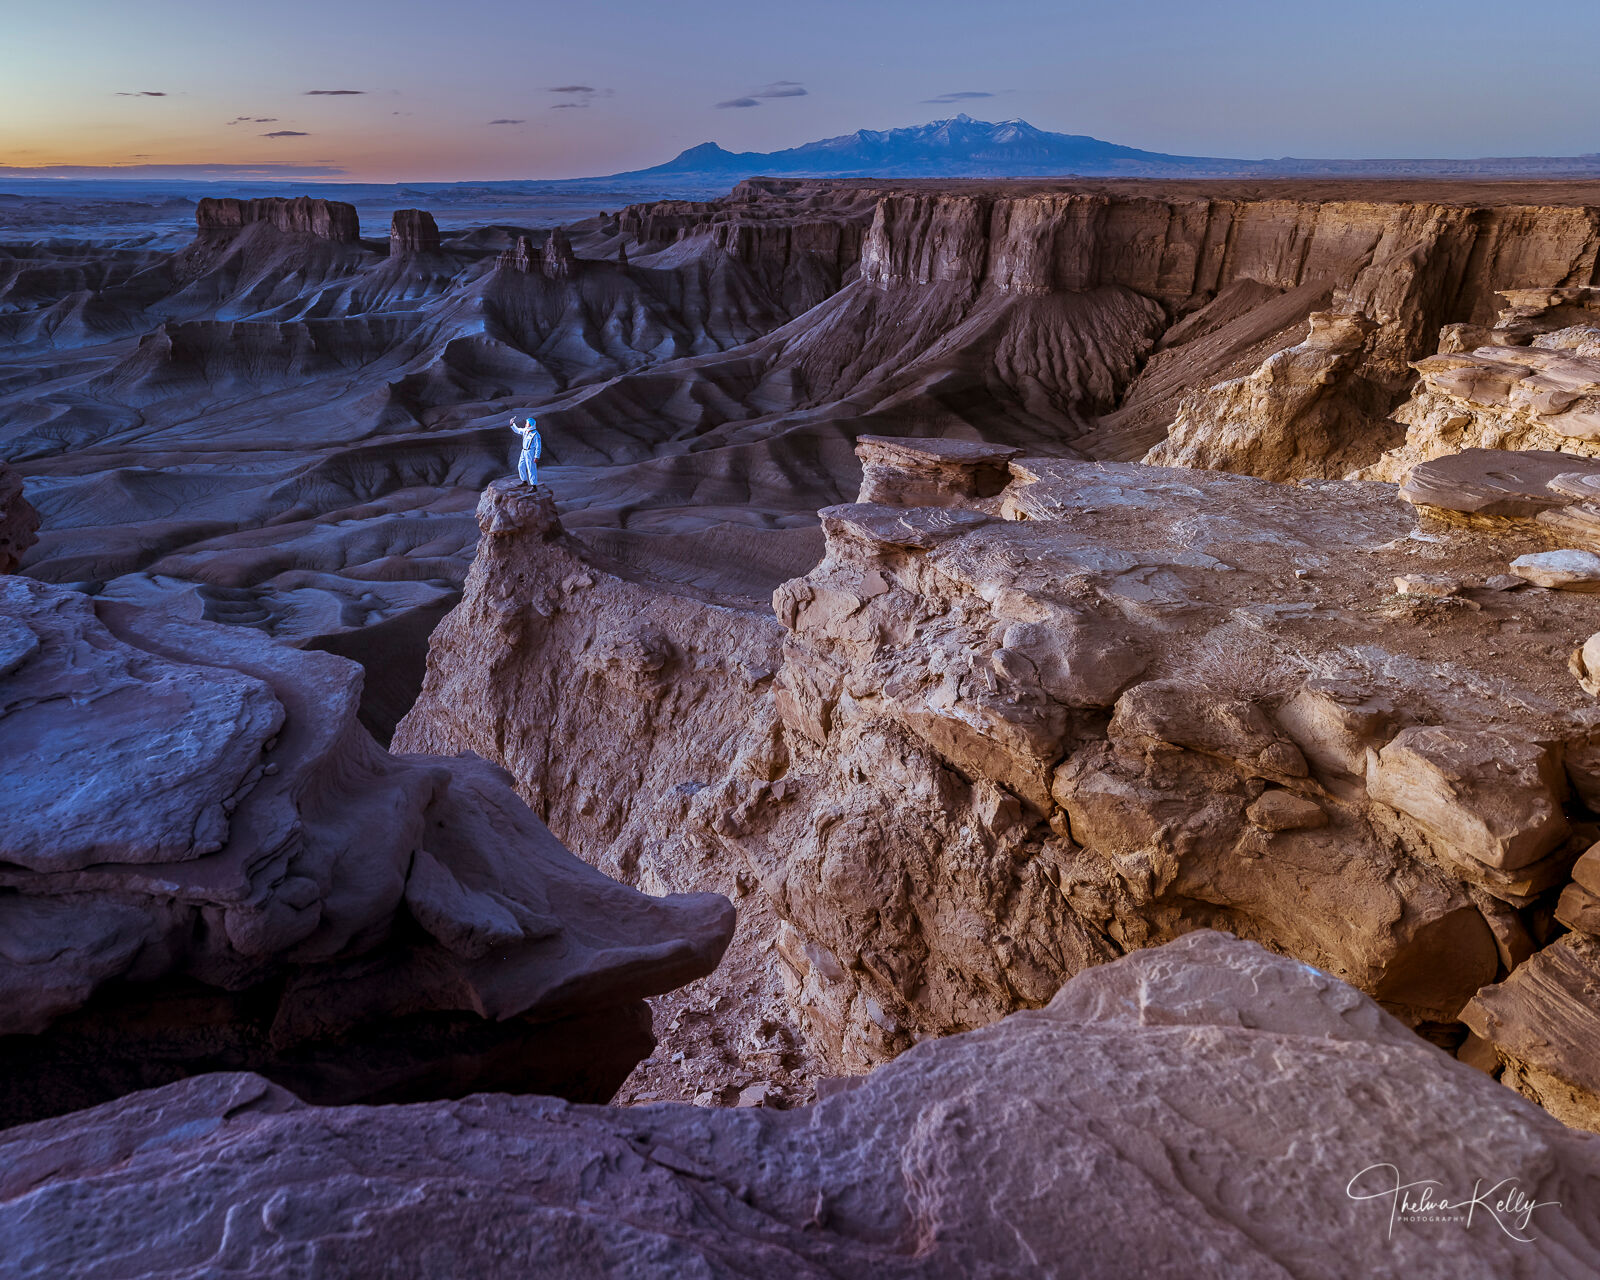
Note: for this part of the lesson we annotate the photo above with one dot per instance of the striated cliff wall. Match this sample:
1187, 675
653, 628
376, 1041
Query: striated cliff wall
301, 215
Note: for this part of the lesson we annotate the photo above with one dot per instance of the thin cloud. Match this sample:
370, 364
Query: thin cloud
581, 95
959, 97
333, 93
286, 133
508, 122
254, 120
777, 89
144, 93
569, 106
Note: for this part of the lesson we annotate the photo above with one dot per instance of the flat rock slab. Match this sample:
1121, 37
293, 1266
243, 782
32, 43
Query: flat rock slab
920, 528
1495, 482
1565, 570
1205, 1108
932, 450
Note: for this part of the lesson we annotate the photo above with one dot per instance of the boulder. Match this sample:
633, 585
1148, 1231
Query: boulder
1544, 1023
1277, 810
1336, 723
930, 473
210, 865
1567, 570
1432, 586
1579, 909
1206, 1108
1483, 794
1185, 715
1585, 664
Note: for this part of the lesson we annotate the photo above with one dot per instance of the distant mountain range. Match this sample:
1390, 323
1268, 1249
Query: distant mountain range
968, 148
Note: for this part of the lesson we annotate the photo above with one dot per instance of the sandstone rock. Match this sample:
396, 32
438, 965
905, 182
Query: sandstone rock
1434, 586
302, 215
1543, 1022
1335, 725
1586, 870
1285, 811
19, 522
559, 260
519, 257
930, 473
1187, 716
1298, 415
1491, 482
1505, 396
1564, 570
1483, 794
1578, 523
1021, 1148
413, 231
921, 528
1585, 664
1579, 909
210, 864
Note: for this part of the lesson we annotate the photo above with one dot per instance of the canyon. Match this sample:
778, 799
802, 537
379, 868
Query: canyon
950, 609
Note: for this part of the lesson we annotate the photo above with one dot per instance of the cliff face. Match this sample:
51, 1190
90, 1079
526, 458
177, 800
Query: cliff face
1015, 734
1233, 282
413, 231
302, 215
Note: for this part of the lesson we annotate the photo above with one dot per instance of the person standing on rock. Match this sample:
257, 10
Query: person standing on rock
532, 447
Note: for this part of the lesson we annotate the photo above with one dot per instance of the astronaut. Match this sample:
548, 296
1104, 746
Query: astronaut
532, 447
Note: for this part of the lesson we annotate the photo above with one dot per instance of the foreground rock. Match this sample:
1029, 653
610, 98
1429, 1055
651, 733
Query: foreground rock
985, 746
1208, 1109
209, 865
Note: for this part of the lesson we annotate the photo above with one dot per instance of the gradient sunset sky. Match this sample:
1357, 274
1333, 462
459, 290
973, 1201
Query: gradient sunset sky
461, 89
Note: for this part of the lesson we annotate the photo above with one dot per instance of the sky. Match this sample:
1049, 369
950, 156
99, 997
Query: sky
447, 90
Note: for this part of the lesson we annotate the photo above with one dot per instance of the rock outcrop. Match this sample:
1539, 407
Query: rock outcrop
209, 865
1301, 414
1012, 736
1529, 383
1207, 1109
218, 217
413, 231
19, 522
559, 260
